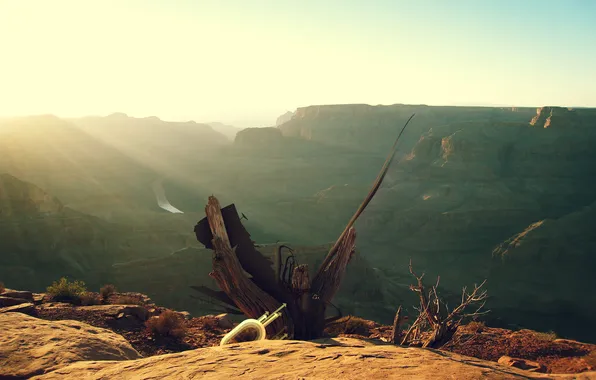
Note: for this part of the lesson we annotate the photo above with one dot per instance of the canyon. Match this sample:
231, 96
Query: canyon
503, 194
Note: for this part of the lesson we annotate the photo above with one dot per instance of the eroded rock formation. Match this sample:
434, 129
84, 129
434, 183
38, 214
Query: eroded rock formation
31, 346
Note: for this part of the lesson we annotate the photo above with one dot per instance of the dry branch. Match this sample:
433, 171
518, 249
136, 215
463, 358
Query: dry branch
327, 280
369, 196
396, 333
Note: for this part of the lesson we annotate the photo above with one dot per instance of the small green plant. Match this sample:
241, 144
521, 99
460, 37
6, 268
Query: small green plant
67, 291
106, 291
167, 324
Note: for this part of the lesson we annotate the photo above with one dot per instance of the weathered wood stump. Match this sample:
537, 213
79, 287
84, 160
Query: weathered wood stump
304, 316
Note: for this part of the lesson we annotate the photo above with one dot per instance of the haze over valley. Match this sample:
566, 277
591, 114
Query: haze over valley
505, 194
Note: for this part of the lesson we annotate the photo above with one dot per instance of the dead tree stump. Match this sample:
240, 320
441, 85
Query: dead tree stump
304, 317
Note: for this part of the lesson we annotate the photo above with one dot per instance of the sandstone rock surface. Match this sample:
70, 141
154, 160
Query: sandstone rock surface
119, 311
25, 308
10, 301
31, 346
20, 294
521, 364
341, 358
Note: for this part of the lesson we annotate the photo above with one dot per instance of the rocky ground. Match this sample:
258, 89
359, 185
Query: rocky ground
200, 332
126, 331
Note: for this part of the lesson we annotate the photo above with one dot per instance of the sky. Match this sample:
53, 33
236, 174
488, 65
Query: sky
246, 62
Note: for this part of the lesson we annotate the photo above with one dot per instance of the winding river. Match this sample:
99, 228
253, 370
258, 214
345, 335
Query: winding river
160, 195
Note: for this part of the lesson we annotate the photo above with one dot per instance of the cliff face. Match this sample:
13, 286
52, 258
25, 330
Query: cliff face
284, 118
553, 261
374, 127
41, 240
104, 166
258, 137
18, 198
227, 130
563, 117
70, 163
467, 188
152, 132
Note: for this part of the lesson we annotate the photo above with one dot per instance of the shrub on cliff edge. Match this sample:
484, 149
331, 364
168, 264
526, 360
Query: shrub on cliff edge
167, 324
67, 291
106, 291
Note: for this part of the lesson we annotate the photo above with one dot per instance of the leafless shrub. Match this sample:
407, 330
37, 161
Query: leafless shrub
167, 324
436, 322
106, 291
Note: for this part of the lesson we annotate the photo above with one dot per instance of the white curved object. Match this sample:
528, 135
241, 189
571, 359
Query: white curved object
245, 325
257, 324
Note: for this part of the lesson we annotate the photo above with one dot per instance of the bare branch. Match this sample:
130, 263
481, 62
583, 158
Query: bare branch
396, 325
368, 197
442, 324
478, 295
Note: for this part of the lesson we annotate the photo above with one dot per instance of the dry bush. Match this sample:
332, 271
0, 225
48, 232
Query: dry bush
476, 326
67, 291
167, 324
349, 325
546, 336
106, 291
89, 299
211, 324
355, 325
2, 288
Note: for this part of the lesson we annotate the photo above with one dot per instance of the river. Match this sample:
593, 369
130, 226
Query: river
160, 195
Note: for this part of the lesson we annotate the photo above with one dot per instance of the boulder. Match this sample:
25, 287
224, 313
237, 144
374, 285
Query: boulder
56, 305
38, 298
10, 301
30, 346
118, 311
524, 364
138, 312
184, 315
225, 321
25, 308
20, 294
340, 358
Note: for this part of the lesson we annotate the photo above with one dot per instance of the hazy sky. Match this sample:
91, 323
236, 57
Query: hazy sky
246, 62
